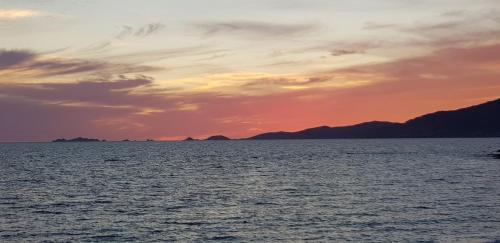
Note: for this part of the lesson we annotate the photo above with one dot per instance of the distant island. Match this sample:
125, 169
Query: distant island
128, 140
218, 137
476, 121
82, 139
78, 139
211, 138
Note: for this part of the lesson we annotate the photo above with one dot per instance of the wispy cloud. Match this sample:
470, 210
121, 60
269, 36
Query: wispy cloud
284, 84
100, 93
254, 28
417, 27
343, 52
143, 31
30, 64
453, 13
126, 32
160, 54
98, 47
18, 13
342, 48
377, 26
149, 29
9, 58
262, 84
452, 27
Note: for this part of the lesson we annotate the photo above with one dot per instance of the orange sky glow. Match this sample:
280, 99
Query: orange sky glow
253, 68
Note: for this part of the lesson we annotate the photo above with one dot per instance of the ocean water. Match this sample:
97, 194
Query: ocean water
392, 190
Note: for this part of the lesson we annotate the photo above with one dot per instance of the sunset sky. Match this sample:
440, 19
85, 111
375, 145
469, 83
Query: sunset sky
165, 70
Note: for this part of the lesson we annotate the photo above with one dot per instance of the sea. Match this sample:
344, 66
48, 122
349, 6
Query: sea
374, 190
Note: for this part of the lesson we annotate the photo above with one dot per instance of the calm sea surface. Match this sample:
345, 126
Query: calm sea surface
393, 190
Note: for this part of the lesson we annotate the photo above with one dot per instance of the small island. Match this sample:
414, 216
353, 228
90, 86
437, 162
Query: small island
218, 138
78, 139
189, 139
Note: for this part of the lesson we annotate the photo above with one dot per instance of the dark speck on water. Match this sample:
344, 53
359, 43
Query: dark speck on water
387, 190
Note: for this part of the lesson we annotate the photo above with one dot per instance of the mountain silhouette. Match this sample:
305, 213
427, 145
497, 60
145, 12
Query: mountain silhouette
476, 121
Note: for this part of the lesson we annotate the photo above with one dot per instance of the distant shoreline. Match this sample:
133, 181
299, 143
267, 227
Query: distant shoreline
245, 139
479, 121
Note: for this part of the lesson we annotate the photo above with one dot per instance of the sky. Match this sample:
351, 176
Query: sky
165, 70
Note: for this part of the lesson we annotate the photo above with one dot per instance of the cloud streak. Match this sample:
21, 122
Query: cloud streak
143, 31
10, 14
343, 52
103, 92
456, 28
254, 28
27, 63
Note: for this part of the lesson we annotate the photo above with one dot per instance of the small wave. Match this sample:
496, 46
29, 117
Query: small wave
7, 203
103, 201
194, 223
62, 204
111, 237
422, 207
357, 214
380, 153
265, 203
47, 212
9, 198
314, 239
174, 208
223, 238
107, 230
